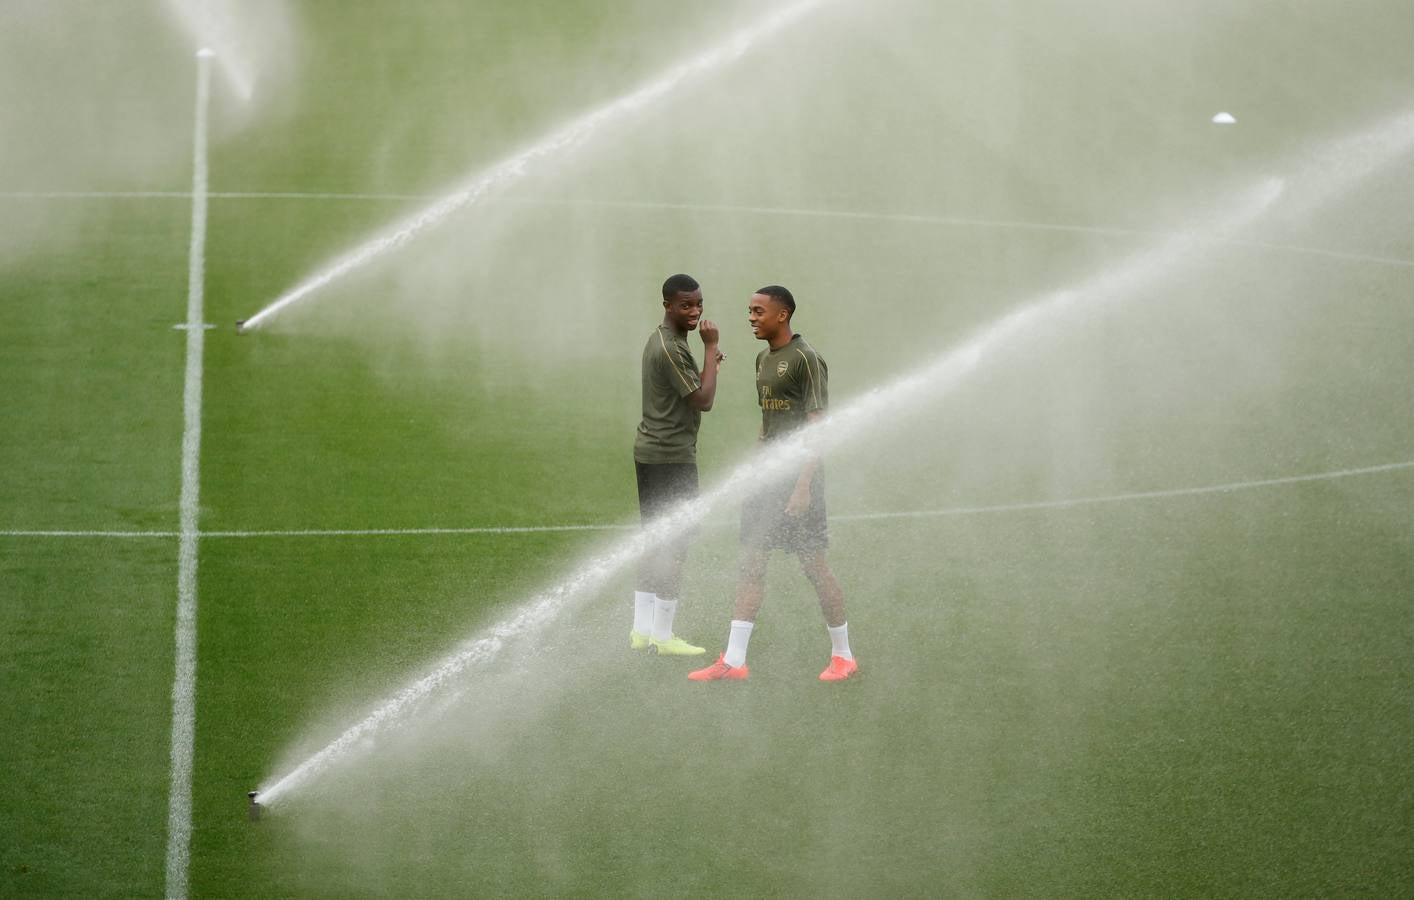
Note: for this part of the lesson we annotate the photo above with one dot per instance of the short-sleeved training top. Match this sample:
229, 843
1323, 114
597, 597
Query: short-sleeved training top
790, 382
668, 431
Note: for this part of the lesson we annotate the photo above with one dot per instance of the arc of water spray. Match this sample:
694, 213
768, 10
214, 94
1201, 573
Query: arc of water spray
514, 167
866, 415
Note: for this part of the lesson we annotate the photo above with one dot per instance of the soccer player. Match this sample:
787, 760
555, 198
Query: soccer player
675, 395
792, 387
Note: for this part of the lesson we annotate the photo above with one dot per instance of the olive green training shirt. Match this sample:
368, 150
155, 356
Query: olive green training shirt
668, 432
790, 383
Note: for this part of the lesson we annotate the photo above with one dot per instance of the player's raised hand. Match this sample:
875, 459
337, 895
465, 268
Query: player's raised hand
710, 337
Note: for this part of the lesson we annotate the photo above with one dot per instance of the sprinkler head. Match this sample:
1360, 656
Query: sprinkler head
240, 326
254, 806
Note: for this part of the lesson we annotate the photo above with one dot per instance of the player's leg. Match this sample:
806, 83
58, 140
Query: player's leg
668, 587
761, 516
816, 566
751, 585
680, 487
665, 606
809, 537
644, 588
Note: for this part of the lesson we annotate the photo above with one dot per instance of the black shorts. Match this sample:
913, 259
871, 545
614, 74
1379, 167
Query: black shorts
662, 486
765, 525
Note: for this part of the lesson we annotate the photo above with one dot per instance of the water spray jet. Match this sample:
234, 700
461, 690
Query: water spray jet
515, 167
244, 41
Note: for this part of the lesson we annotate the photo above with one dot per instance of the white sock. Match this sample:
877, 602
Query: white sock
839, 641
736, 643
643, 611
663, 612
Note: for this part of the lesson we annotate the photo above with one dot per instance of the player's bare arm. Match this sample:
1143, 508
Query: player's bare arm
800, 496
703, 398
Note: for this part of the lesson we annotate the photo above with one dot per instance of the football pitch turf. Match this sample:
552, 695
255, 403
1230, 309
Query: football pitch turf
1131, 599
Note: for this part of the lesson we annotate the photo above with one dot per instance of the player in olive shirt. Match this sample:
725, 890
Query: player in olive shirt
792, 388
675, 395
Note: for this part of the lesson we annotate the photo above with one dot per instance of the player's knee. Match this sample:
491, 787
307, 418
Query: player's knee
814, 566
752, 565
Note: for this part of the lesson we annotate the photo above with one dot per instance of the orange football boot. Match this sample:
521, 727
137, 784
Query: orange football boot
839, 669
720, 671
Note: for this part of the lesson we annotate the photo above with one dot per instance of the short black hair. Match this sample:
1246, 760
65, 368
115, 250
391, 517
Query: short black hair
781, 296
679, 284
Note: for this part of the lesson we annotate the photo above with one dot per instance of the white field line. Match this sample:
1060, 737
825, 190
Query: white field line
184, 676
563, 139
1124, 498
783, 211
95, 195
841, 517
56, 533
406, 532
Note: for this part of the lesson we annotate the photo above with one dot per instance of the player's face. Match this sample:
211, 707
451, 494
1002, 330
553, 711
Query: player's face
685, 309
767, 317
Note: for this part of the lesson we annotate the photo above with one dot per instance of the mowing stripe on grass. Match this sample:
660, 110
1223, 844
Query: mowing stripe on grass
184, 676
1230, 487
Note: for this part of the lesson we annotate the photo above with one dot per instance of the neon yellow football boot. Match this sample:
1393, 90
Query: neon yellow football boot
674, 646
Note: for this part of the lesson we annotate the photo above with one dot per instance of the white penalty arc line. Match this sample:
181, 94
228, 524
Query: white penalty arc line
842, 517
781, 211
179, 817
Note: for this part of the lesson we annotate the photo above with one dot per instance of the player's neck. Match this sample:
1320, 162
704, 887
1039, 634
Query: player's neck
777, 341
668, 324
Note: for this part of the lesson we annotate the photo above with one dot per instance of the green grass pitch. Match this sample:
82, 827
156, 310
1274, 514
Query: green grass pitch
1183, 695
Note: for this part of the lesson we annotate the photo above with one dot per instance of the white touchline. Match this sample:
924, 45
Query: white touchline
841, 517
184, 675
